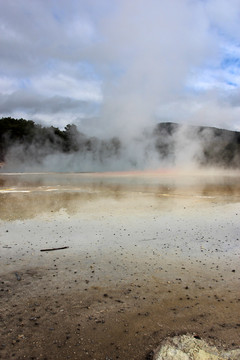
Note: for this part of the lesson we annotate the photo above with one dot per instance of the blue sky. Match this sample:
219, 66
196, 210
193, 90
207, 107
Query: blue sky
118, 66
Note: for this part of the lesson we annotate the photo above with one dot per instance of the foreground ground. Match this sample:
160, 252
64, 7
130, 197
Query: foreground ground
142, 263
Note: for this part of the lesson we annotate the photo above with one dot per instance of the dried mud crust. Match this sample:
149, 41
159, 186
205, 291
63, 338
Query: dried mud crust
42, 318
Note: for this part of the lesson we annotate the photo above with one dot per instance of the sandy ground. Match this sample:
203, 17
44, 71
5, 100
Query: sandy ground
147, 257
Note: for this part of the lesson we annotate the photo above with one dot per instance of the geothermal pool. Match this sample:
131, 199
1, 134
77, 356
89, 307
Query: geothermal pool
147, 255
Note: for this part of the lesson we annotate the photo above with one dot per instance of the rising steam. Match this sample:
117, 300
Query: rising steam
166, 145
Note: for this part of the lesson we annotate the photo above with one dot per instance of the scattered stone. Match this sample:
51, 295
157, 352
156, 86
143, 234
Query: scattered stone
18, 277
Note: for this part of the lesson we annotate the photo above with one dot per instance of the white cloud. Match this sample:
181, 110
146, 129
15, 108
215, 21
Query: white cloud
7, 85
206, 110
224, 16
67, 86
139, 58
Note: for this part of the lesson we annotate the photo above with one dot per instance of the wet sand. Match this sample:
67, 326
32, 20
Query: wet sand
149, 255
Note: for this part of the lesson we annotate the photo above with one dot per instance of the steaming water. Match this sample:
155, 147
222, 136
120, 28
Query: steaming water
173, 216
37, 193
199, 181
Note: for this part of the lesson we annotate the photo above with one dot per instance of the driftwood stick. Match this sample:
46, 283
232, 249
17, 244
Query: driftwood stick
53, 249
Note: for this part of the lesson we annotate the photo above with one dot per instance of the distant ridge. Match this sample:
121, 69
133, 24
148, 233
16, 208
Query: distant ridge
219, 147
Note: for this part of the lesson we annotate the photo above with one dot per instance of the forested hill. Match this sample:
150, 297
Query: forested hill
211, 146
24, 140
41, 141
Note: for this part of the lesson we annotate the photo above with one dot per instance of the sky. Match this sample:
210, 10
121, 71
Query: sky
113, 67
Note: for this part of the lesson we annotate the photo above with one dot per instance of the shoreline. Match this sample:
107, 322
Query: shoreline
137, 270
47, 318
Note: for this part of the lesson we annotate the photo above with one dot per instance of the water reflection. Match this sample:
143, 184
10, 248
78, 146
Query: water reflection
28, 195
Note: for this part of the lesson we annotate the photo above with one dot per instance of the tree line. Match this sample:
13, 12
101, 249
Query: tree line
32, 137
216, 147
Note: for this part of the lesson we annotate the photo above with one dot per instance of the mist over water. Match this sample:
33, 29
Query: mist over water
26, 195
140, 58
126, 170
165, 146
